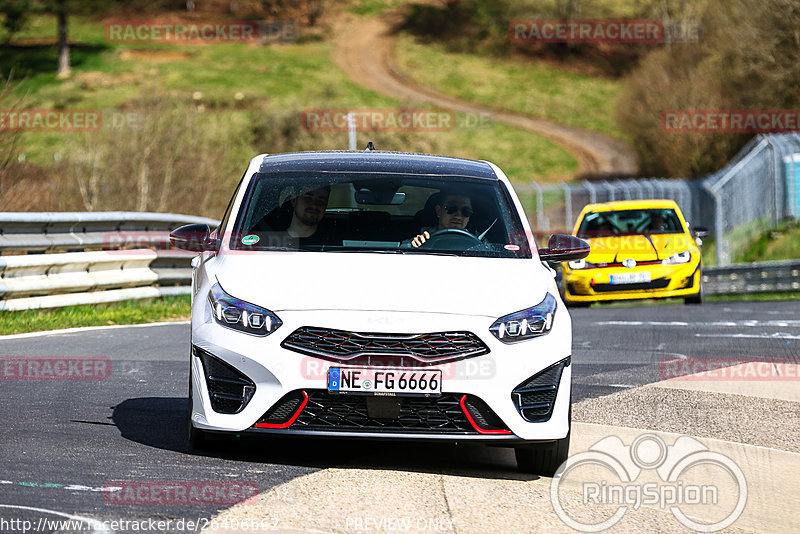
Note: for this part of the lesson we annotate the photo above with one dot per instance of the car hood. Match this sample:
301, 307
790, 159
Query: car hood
280, 281
652, 247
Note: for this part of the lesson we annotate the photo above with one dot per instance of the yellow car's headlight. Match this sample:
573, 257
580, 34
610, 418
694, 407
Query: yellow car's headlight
678, 258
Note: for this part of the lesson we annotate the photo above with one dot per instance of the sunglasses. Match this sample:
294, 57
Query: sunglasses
466, 211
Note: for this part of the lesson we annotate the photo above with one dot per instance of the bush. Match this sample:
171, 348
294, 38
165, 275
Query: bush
172, 159
747, 60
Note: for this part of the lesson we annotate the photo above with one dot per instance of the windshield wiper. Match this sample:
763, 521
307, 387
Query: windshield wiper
371, 250
268, 248
431, 252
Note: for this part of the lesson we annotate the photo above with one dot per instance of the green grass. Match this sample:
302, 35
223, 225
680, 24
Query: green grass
108, 76
372, 7
126, 312
782, 243
514, 84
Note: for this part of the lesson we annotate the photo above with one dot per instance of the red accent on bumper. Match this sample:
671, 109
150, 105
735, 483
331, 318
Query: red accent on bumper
475, 426
288, 423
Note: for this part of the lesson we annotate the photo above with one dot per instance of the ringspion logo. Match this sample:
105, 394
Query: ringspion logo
704, 490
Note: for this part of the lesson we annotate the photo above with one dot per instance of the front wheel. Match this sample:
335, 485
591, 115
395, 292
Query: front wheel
697, 298
542, 458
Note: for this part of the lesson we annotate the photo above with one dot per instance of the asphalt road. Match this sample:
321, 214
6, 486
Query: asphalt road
62, 443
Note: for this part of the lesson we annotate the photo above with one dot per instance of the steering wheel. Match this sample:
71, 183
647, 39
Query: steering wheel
452, 239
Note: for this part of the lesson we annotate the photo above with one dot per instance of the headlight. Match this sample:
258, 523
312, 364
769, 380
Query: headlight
240, 315
678, 257
577, 265
526, 324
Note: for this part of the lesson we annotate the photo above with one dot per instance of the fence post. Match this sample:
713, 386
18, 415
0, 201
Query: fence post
592, 192
774, 175
718, 222
539, 207
567, 205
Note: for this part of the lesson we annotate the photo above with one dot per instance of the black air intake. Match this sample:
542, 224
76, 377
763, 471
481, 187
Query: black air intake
536, 397
229, 390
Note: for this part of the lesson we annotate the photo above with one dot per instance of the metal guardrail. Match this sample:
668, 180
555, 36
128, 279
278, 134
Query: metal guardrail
62, 259
746, 278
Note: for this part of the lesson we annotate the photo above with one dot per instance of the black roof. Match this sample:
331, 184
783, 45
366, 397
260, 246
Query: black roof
376, 161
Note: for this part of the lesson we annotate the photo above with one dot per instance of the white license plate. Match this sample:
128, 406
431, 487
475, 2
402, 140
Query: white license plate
385, 381
631, 278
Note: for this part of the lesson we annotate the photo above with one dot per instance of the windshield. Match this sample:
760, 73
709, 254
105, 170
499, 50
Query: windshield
365, 212
629, 222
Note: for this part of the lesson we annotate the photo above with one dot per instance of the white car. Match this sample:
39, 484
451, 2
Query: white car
316, 312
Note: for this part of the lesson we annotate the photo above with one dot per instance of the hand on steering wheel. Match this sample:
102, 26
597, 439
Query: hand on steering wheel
447, 238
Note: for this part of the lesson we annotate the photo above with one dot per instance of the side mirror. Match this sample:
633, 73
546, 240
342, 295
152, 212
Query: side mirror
194, 238
700, 231
563, 247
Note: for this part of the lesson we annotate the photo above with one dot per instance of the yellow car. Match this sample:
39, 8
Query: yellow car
640, 249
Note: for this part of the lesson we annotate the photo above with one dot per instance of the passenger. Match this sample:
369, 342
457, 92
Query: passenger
308, 209
453, 212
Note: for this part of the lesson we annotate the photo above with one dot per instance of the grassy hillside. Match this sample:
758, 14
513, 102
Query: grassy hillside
520, 84
224, 91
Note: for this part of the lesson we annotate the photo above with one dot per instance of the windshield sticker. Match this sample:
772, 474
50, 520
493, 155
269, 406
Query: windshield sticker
250, 239
511, 247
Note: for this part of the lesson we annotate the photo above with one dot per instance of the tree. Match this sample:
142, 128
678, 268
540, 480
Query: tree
16, 13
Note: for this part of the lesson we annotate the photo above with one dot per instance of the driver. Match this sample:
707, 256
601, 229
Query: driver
657, 222
453, 212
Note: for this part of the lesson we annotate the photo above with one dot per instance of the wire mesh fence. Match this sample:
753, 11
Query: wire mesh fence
756, 190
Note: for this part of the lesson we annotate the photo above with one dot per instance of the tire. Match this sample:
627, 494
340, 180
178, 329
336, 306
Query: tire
542, 458
571, 304
697, 298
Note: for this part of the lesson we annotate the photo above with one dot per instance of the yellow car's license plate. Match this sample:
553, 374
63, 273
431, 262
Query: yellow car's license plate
630, 278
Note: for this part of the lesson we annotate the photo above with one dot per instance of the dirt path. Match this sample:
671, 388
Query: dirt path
365, 52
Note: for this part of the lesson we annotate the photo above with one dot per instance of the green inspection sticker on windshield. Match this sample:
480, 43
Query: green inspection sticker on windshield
250, 239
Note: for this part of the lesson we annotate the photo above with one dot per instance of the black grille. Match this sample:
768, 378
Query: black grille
228, 389
536, 397
350, 413
284, 409
348, 346
659, 283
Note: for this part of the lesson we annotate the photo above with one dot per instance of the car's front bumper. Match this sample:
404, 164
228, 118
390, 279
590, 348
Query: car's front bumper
276, 371
594, 285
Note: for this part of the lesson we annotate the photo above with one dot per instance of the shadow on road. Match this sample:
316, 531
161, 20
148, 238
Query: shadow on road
161, 422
